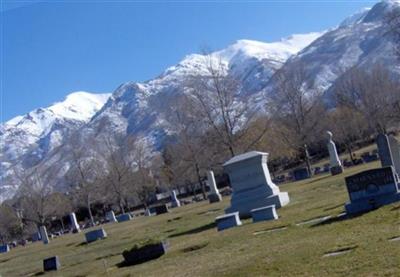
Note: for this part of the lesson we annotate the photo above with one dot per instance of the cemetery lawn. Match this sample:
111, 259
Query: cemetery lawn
197, 249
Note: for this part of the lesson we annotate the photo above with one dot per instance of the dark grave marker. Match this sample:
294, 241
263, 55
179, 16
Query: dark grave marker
52, 263
371, 188
144, 253
301, 174
161, 209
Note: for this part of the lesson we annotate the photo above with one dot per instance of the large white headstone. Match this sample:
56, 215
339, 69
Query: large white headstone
334, 161
252, 185
175, 200
43, 234
74, 222
214, 195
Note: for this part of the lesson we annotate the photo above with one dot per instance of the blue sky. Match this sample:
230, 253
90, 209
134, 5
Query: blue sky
52, 48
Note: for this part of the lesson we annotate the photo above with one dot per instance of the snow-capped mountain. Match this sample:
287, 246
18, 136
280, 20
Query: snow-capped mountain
26, 140
362, 40
43, 137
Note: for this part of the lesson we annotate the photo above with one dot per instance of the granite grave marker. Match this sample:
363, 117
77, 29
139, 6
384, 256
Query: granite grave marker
251, 184
371, 189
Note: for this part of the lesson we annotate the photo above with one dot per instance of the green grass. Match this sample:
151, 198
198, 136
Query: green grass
197, 249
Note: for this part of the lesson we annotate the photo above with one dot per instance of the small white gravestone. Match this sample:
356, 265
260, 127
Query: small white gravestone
251, 184
43, 234
227, 221
175, 201
147, 212
110, 216
335, 163
74, 223
214, 195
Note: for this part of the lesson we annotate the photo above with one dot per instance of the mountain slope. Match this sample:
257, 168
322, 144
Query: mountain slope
26, 140
362, 40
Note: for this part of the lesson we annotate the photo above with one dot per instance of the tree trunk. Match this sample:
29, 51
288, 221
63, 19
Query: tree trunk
231, 151
121, 206
62, 224
90, 211
202, 185
307, 159
348, 147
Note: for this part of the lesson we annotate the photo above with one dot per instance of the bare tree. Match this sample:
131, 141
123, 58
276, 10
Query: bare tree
11, 226
119, 165
374, 94
348, 126
85, 178
35, 201
189, 148
220, 101
297, 107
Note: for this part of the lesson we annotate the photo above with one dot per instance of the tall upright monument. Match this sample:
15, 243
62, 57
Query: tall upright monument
334, 161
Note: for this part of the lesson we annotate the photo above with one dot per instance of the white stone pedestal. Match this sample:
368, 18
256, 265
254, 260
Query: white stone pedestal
334, 161
214, 195
175, 201
252, 185
74, 223
110, 216
43, 234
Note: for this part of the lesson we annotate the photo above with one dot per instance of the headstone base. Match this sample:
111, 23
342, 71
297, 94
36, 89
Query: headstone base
214, 198
245, 205
264, 213
227, 221
175, 204
335, 170
365, 205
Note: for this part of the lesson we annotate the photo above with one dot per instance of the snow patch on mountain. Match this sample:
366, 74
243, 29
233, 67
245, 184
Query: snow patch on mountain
280, 50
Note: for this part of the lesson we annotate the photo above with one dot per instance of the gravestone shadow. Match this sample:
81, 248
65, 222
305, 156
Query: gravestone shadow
395, 208
195, 230
333, 207
335, 219
208, 211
